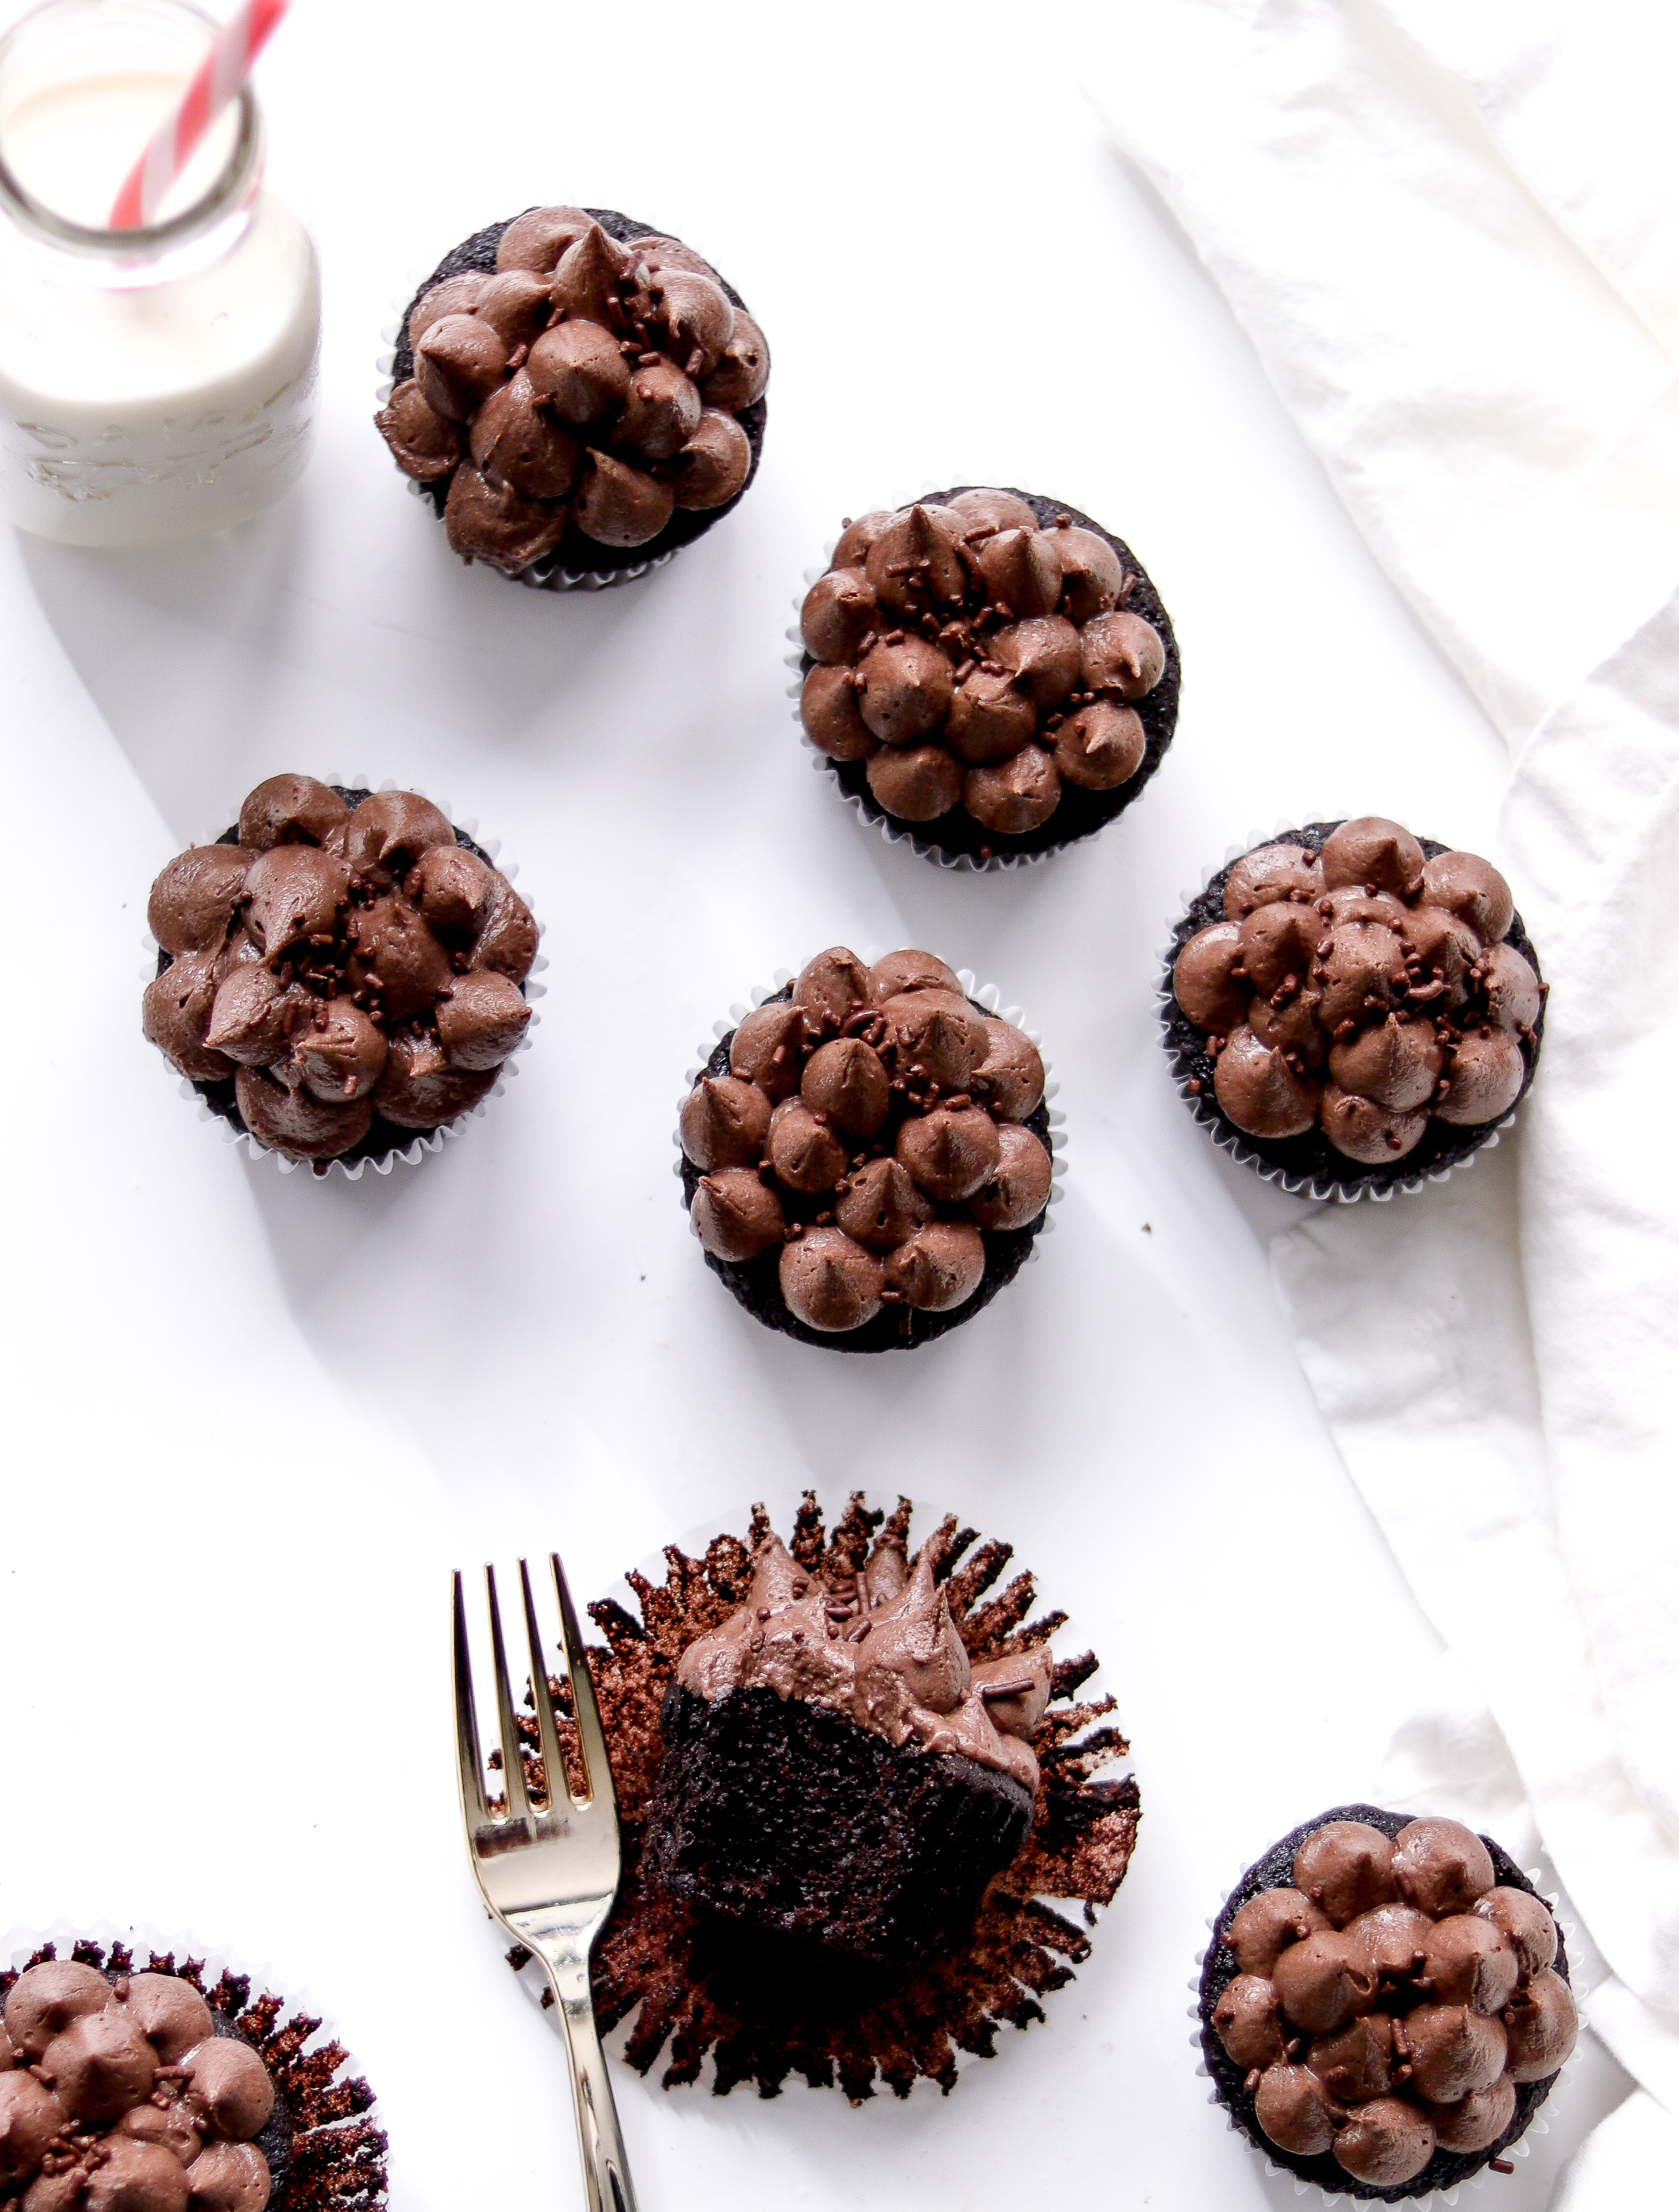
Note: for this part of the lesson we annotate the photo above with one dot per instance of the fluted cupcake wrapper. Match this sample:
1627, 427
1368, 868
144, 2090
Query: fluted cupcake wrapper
1536, 2125
1354, 1182
988, 997
20, 1944
635, 1966
423, 1142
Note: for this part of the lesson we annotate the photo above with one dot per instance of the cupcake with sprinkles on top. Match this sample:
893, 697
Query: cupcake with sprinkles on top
580, 394
987, 672
866, 1156
1352, 1008
1384, 2003
342, 974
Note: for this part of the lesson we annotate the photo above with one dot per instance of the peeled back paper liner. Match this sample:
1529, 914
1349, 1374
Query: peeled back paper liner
547, 573
671, 1992
336, 2157
1354, 1181
423, 1141
873, 815
1356, 2195
1047, 1122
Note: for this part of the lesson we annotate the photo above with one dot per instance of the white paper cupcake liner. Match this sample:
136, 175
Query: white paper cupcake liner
19, 1944
546, 574
984, 994
1224, 1134
424, 1141
1538, 2125
782, 1503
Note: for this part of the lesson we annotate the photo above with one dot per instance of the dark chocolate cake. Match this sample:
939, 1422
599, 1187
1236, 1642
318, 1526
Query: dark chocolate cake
1384, 2003
341, 971
836, 1769
989, 671
145, 2088
867, 1158
1353, 1009
579, 393
762, 2004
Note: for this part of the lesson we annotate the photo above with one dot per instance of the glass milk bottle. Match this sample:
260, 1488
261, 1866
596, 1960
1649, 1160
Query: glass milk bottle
157, 383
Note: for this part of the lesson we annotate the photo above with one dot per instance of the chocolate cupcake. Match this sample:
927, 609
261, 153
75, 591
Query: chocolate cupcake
580, 395
889, 1954
836, 1769
866, 1157
986, 672
341, 975
1384, 2003
126, 2088
1352, 1010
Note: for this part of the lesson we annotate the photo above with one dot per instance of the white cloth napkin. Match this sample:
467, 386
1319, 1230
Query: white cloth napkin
1452, 233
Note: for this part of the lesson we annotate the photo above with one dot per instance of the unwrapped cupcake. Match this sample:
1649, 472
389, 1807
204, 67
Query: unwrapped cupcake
1353, 1008
580, 394
866, 1157
340, 972
868, 1818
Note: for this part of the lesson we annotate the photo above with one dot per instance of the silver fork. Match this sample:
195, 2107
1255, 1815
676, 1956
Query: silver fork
550, 1874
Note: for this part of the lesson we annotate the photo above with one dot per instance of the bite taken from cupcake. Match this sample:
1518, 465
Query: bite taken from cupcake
1384, 2003
580, 394
866, 1156
343, 971
989, 670
1353, 1007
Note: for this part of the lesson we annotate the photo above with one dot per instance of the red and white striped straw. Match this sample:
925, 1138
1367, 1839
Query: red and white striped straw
222, 73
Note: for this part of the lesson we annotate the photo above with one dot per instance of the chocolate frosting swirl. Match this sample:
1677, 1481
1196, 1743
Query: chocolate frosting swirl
883, 1652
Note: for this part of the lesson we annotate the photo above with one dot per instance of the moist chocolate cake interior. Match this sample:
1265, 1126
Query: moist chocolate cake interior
324, 2153
763, 2007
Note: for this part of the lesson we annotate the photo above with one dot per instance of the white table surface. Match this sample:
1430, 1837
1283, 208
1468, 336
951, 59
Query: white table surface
253, 1419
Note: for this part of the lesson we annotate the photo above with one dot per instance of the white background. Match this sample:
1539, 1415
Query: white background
252, 1421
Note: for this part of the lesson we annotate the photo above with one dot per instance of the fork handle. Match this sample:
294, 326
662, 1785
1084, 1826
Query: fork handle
606, 2179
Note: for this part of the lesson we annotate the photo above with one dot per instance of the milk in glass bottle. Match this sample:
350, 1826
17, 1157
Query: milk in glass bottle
153, 383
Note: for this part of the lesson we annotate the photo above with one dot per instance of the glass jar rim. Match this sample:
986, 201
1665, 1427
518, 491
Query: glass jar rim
233, 186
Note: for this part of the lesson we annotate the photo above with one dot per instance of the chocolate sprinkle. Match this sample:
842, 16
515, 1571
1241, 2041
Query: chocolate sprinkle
763, 2009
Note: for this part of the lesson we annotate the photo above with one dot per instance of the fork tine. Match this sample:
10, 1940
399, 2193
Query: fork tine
513, 1758
553, 1760
477, 1812
590, 1733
